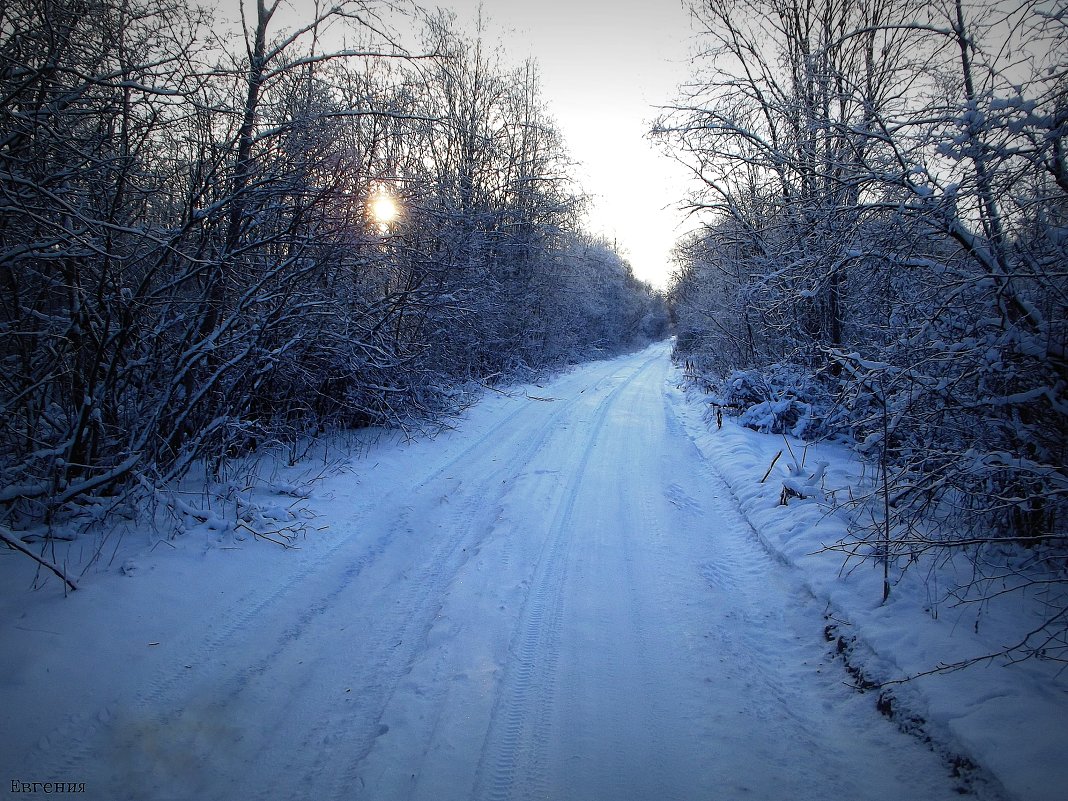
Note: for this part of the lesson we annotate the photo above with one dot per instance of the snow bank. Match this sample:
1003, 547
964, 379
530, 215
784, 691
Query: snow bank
1010, 719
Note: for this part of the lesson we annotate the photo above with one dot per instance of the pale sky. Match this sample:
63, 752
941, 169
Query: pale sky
605, 65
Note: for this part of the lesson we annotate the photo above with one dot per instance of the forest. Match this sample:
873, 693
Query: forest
339, 457
884, 186
221, 238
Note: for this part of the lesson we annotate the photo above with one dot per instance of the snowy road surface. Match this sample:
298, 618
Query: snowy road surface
557, 600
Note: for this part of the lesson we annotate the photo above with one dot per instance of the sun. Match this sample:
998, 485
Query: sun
384, 208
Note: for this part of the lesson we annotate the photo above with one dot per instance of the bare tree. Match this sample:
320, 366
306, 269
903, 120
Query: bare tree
191, 267
885, 187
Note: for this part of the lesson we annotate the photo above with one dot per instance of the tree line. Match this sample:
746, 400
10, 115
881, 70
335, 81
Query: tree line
190, 265
884, 185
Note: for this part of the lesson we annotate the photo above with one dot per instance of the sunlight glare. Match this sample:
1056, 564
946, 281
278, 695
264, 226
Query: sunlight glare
384, 208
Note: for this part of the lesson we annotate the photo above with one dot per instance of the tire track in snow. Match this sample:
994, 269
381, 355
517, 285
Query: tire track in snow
74, 748
423, 597
649, 523
77, 742
511, 765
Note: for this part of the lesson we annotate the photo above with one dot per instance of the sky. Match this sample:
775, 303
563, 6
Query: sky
605, 66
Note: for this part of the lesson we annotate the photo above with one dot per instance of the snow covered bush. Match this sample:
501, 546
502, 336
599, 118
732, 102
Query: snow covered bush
781, 399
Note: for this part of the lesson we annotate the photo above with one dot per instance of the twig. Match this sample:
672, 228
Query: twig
244, 525
15, 543
773, 461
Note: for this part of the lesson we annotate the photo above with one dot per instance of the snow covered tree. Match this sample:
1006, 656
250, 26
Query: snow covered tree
886, 195
191, 266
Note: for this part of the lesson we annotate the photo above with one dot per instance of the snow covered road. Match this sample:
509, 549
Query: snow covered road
557, 600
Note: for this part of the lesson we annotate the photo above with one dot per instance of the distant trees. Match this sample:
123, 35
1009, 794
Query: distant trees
886, 257
188, 262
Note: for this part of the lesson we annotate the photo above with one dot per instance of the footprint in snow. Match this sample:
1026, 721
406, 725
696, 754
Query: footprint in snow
678, 496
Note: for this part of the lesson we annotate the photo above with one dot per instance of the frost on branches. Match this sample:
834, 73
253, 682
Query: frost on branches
885, 189
191, 262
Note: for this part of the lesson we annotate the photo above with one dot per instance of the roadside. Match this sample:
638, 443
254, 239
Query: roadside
1010, 719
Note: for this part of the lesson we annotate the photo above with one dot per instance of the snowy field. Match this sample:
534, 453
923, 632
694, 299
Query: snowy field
580, 593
